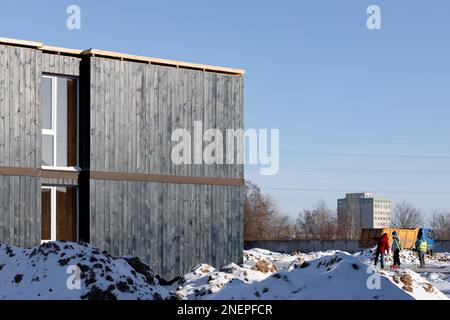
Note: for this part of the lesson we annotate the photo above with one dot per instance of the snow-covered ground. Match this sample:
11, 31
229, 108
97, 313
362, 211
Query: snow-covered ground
409, 259
318, 275
440, 280
43, 272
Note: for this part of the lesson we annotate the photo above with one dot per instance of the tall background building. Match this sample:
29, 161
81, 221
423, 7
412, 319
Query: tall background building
361, 210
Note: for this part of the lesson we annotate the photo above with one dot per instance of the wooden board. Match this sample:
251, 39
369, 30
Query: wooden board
120, 56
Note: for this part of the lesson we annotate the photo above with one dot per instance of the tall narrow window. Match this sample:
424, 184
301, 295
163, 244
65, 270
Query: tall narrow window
59, 218
59, 122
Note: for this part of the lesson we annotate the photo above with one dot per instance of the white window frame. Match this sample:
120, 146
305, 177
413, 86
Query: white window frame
53, 211
52, 131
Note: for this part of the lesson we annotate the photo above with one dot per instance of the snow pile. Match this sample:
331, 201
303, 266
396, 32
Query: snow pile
278, 260
205, 280
338, 276
281, 261
51, 270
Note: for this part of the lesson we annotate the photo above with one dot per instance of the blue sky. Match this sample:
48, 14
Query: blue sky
347, 100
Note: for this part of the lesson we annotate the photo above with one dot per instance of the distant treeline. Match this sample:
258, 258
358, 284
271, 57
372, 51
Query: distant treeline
264, 221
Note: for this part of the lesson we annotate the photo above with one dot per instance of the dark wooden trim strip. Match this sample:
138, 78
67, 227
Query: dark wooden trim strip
16, 171
37, 172
59, 174
165, 178
120, 176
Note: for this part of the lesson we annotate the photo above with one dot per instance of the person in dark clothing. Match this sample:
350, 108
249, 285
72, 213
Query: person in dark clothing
382, 247
396, 247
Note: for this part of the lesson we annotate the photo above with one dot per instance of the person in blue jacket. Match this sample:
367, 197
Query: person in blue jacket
396, 247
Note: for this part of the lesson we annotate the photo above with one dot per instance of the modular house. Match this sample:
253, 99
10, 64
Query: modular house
85, 155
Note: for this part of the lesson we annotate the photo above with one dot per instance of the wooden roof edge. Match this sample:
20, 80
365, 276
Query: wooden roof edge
122, 56
22, 43
181, 64
59, 50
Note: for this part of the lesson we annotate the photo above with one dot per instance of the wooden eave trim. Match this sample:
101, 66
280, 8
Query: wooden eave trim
21, 43
58, 50
122, 56
164, 62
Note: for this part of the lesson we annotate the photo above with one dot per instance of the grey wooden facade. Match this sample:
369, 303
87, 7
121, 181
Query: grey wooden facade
128, 110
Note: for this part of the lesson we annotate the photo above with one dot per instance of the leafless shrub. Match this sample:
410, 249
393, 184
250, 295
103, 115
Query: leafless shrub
440, 222
262, 220
320, 223
405, 215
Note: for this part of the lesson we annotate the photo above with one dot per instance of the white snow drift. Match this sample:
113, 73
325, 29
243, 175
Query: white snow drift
42, 273
325, 275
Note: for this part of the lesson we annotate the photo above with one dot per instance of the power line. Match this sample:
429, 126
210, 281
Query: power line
364, 155
355, 171
373, 141
347, 191
367, 155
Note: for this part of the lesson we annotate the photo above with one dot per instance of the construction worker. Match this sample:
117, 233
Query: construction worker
382, 248
396, 247
421, 247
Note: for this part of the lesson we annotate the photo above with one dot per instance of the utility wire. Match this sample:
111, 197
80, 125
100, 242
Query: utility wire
347, 191
372, 141
352, 170
366, 155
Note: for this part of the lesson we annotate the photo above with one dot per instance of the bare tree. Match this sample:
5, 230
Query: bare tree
257, 210
440, 222
282, 227
320, 222
405, 215
262, 220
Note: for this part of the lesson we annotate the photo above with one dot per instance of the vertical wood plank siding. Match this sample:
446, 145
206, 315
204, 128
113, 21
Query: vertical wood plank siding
134, 109
20, 210
128, 111
172, 227
20, 102
61, 65
20, 138
20, 82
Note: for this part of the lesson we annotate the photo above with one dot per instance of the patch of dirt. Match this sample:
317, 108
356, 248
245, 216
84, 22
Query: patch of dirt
428, 287
264, 266
408, 288
406, 279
